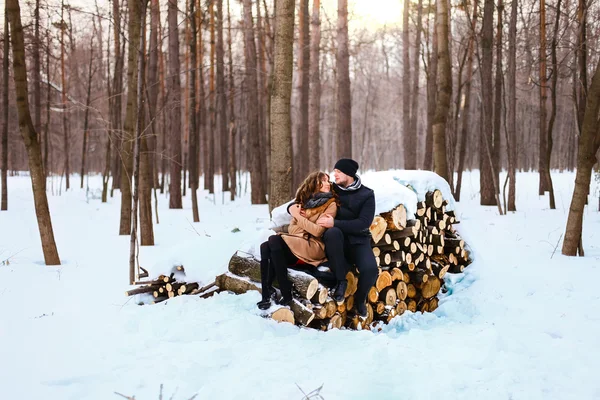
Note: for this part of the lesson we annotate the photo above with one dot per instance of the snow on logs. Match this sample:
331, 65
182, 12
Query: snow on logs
413, 256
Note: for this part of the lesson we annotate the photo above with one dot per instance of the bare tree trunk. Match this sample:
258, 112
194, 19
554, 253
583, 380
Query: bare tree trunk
344, 95
409, 136
222, 100
550, 142
314, 159
466, 113
281, 131
202, 120
138, 15
581, 54
263, 96
116, 117
5, 104
63, 26
543, 131
174, 108
486, 175
444, 94
431, 95
258, 191
210, 173
37, 69
153, 88
232, 125
48, 92
193, 134
414, 107
589, 143
512, 107
498, 95
87, 109
110, 136
30, 136
301, 154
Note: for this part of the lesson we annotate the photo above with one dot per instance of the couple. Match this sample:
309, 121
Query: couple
326, 225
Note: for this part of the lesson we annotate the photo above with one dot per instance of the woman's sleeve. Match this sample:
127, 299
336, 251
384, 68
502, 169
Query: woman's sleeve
311, 227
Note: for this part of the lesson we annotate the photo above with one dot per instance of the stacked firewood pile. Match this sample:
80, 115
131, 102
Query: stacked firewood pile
168, 286
413, 256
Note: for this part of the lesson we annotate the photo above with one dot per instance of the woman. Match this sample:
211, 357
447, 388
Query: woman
314, 198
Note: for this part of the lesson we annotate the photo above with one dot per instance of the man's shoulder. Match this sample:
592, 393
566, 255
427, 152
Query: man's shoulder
366, 190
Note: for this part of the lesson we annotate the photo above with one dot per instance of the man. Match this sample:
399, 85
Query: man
347, 239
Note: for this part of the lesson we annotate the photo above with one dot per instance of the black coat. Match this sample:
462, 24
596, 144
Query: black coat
355, 213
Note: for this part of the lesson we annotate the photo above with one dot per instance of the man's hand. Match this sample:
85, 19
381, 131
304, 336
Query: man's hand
325, 221
295, 210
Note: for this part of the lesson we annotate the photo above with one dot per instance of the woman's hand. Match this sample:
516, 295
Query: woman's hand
295, 210
325, 221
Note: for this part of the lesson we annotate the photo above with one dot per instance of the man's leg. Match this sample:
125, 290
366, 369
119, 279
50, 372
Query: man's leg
334, 248
367, 267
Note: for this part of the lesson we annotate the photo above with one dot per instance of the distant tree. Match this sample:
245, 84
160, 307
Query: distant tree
174, 90
314, 111
344, 95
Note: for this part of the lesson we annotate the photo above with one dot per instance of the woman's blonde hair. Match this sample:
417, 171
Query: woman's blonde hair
311, 185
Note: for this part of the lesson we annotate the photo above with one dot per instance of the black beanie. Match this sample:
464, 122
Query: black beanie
347, 166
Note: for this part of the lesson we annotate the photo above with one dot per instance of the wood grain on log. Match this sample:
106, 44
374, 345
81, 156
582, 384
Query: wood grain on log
302, 314
383, 280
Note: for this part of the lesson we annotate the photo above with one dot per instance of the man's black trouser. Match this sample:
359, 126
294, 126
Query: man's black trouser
275, 256
342, 255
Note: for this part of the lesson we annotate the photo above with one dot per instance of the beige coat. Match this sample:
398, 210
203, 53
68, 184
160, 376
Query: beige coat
304, 235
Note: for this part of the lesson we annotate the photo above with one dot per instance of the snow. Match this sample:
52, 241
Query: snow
520, 323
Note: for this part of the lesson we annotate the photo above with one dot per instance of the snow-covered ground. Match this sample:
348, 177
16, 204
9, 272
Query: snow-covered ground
521, 323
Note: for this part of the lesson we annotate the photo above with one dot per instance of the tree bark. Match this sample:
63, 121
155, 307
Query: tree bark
554, 81
116, 113
256, 177
414, 107
281, 129
314, 112
174, 109
486, 175
543, 123
512, 107
193, 133
498, 86
581, 54
232, 124
409, 136
5, 104
444, 92
210, 172
302, 149
344, 95
466, 112
431, 95
37, 69
222, 100
153, 88
137, 12
30, 136
589, 142
87, 110
63, 26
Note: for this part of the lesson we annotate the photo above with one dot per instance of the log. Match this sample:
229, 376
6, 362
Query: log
283, 314
187, 288
401, 307
377, 229
236, 284
396, 274
335, 322
370, 315
421, 208
433, 304
383, 280
401, 290
331, 307
320, 311
379, 307
242, 265
434, 199
411, 305
350, 303
404, 233
341, 307
456, 269
305, 284
413, 223
352, 284
376, 251
144, 289
418, 276
423, 306
388, 296
395, 219
321, 296
373, 295
437, 240
439, 270
431, 287
411, 291
302, 314
394, 246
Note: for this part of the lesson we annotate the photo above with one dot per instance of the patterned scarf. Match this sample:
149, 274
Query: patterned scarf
317, 200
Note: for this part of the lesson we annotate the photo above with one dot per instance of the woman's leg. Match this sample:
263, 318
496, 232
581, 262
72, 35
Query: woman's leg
281, 257
266, 270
